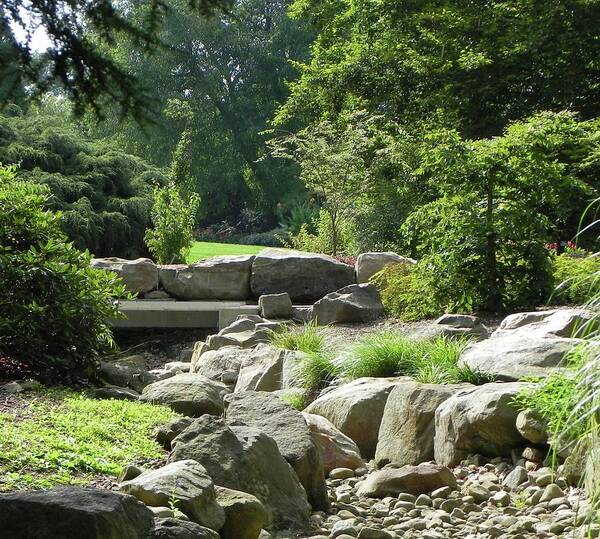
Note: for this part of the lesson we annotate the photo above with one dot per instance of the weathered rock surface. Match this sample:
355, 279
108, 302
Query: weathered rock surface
213, 363
407, 427
115, 392
356, 409
186, 481
480, 420
415, 480
175, 528
456, 325
353, 303
368, 264
261, 369
189, 394
167, 432
304, 276
126, 372
246, 459
546, 324
275, 305
245, 515
139, 276
532, 427
221, 277
337, 449
515, 356
73, 512
288, 428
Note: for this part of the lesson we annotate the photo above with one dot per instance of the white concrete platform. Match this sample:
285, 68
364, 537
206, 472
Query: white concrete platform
181, 314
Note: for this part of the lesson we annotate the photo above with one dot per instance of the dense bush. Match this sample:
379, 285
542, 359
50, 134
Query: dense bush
576, 278
105, 195
320, 241
53, 307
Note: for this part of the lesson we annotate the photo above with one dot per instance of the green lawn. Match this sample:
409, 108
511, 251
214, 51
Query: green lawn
205, 249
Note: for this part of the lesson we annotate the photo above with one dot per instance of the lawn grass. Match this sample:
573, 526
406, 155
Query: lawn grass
205, 249
60, 436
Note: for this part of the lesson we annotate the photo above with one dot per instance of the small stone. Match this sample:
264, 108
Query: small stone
550, 492
129, 472
374, 533
424, 500
515, 478
501, 498
345, 527
479, 493
534, 454
544, 478
341, 473
407, 497
162, 512
442, 492
450, 505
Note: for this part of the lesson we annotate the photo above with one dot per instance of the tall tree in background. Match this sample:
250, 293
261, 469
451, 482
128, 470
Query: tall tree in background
231, 72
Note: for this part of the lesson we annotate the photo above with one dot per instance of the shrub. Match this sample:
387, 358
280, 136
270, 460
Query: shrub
272, 238
576, 278
405, 293
173, 219
308, 338
54, 307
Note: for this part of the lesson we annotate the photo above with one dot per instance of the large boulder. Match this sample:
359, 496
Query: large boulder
353, 303
337, 450
455, 325
188, 393
73, 513
275, 305
245, 515
477, 421
415, 480
267, 368
515, 356
176, 528
214, 363
126, 372
551, 323
246, 459
267, 412
368, 264
139, 276
304, 276
408, 424
221, 277
356, 409
184, 481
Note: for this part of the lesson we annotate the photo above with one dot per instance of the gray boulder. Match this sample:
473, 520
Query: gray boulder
166, 433
356, 409
275, 305
245, 515
516, 356
246, 459
73, 513
477, 421
368, 264
547, 324
532, 427
126, 372
115, 392
408, 424
460, 325
288, 428
184, 481
189, 394
175, 528
415, 480
353, 303
265, 368
214, 363
139, 276
221, 277
337, 449
304, 276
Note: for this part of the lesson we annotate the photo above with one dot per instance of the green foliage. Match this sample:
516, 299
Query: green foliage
405, 292
308, 338
393, 354
299, 214
314, 371
173, 220
55, 308
105, 194
204, 249
576, 278
64, 437
296, 399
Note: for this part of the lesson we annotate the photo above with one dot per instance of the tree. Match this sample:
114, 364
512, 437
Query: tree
173, 218
54, 307
81, 33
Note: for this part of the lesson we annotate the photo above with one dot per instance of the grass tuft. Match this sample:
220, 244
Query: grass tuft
308, 338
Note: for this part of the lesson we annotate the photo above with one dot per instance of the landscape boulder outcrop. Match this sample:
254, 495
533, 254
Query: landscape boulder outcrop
275, 305
214, 363
408, 423
221, 277
188, 393
306, 277
547, 324
480, 420
139, 275
261, 369
415, 480
368, 264
185, 481
69, 512
356, 409
267, 412
245, 515
337, 449
246, 459
353, 303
